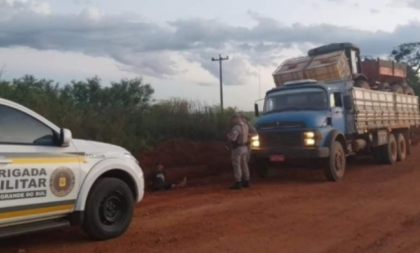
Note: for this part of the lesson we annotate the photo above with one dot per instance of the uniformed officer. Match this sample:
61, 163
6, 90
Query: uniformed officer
238, 137
251, 132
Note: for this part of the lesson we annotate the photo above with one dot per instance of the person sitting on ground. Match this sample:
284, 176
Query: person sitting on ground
158, 179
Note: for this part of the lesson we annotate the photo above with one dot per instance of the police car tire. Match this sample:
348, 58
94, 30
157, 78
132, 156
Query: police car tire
92, 224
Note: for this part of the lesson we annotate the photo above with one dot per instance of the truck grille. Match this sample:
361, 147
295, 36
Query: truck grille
282, 124
285, 139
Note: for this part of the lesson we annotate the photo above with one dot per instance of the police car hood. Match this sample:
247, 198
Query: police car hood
97, 147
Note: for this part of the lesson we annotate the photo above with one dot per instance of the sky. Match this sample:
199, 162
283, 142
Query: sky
170, 43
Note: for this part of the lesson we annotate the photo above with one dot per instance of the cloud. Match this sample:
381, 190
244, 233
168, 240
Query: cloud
147, 48
374, 11
414, 4
83, 1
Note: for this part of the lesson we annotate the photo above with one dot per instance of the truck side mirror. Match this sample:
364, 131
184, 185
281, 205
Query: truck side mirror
348, 103
257, 112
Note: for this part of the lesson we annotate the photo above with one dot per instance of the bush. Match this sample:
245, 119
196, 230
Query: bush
123, 113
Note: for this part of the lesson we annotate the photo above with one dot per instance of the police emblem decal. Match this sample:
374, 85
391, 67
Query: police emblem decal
62, 182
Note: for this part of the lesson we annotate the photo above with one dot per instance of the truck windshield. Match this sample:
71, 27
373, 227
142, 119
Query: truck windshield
296, 99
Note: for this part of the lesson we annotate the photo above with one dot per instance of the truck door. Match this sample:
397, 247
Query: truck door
38, 179
338, 118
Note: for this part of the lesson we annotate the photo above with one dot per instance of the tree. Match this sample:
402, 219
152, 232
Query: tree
410, 54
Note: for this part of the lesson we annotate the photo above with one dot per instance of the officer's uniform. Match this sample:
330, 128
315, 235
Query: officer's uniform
239, 139
251, 132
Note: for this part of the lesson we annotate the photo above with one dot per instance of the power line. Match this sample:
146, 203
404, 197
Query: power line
220, 59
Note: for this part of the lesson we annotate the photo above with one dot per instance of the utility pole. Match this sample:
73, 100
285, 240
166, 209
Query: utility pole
220, 59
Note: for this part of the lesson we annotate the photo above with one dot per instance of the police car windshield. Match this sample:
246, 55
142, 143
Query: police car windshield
296, 100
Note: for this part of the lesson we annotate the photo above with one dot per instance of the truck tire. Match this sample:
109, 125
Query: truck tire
384, 86
401, 147
389, 151
362, 84
396, 88
336, 163
109, 209
409, 91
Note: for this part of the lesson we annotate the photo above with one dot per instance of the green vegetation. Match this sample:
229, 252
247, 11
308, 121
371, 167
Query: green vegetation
123, 113
410, 54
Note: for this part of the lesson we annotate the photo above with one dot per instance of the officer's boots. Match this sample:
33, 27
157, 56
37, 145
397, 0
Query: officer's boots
245, 184
236, 186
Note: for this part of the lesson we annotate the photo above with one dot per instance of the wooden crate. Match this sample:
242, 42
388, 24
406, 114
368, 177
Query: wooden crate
291, 70
328, 66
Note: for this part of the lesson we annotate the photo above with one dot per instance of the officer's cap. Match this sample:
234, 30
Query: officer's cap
236, 115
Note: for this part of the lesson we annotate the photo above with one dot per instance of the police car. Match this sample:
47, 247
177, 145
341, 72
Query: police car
49, 180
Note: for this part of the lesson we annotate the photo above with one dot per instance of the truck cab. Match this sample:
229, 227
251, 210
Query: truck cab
304, 119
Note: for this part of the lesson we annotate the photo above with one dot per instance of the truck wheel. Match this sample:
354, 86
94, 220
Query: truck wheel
109, 209
401, 147
389, 151
336, 163
362, 84
409, 91
396, 88
384, 87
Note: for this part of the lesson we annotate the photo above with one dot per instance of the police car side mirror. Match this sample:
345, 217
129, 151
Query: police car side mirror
65, 137
257, 112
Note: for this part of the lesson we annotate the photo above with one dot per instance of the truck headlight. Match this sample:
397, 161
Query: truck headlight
309, 135
255, 141
309, 142
309, 138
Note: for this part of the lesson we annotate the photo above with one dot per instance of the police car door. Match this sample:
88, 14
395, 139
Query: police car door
38, 179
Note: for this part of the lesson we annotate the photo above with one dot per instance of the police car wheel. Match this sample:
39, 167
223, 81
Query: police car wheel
109, 209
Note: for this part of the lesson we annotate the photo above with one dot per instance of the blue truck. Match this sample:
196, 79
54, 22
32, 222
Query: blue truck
329, 121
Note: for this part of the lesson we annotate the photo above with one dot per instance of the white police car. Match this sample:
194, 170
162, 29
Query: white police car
49, 180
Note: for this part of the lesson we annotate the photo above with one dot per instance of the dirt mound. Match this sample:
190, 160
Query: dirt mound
193, 159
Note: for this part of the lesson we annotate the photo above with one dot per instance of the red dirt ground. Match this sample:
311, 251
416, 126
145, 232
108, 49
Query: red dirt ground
374, 209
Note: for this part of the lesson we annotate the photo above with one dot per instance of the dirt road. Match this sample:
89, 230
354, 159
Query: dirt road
375, 209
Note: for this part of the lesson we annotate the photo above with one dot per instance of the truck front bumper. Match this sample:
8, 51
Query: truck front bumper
291, 152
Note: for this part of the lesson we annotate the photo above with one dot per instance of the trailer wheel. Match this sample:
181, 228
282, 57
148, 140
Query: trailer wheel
402, 147
390, 150
109, 209
396, 88
384, 87
336, 166
409, 91
362, 84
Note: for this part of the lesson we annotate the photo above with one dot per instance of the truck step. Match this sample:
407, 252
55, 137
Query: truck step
32, 227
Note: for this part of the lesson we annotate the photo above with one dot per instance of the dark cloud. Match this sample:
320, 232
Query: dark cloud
146, 47
414, 4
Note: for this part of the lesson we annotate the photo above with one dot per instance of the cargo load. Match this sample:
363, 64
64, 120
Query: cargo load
320, 67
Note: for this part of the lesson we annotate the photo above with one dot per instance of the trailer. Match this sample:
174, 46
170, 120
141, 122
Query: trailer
332, 120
